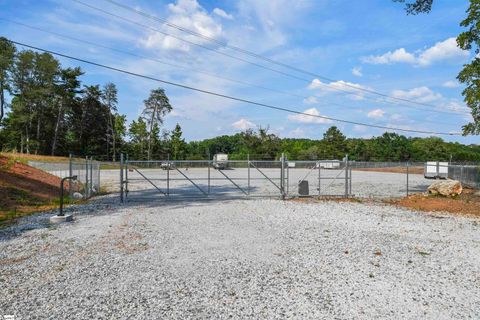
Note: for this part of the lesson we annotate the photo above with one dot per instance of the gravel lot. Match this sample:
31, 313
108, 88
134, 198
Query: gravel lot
364, 184
258, 259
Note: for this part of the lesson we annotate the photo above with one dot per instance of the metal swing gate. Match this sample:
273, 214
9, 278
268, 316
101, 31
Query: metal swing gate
170, 179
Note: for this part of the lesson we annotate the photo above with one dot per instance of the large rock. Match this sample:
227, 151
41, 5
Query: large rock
447, 188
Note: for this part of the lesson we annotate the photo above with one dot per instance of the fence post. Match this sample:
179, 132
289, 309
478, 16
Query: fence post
208, 164
461, 174
126, 176
346, 176
121, 177
288, 179
70, 173
91, 176
248, 172
350, 181
98, 176
319, 178
407, 177
438, 170
168, 174
282, 176
86, 177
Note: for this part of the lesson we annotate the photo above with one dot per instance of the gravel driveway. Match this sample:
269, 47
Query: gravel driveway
258, 259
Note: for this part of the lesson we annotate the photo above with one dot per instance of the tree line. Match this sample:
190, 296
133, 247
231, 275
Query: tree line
45, 109
334, 145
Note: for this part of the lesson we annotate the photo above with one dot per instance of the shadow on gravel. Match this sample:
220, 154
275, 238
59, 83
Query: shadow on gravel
41, 220
110, 204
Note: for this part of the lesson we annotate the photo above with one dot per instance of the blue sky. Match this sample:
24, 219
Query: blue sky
369, 44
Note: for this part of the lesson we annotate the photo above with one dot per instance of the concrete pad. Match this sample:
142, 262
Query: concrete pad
60, 219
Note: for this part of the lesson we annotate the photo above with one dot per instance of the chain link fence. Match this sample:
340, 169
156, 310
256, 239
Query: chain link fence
468, 175
87, 171
256, 177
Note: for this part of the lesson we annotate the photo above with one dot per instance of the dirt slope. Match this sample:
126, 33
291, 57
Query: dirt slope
24, 189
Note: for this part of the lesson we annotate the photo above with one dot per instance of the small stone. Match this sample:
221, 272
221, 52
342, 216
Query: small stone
77, 196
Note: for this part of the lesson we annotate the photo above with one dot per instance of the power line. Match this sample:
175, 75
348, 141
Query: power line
196, 70
329, 87
151, 59
251, 102
255, 55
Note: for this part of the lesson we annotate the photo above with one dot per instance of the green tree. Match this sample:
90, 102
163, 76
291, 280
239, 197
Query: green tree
20, 117
120, 124
89, 122
65, 93
417, 6
177, 143
392, 147
470, 75
139, 137
467, 40
7, 58
156, 107
110, 100
334, 143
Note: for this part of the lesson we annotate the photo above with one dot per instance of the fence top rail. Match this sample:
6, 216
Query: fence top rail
201, 161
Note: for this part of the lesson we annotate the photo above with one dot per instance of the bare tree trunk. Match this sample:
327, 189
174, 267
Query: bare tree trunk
150, 133
2, 102
82, 125
27, 131
57, 128
108, 144
38, 134
27, 141
114, 157
112, 132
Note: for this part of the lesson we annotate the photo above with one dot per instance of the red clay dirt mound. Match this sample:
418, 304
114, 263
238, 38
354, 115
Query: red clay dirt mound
467, 203
24, 189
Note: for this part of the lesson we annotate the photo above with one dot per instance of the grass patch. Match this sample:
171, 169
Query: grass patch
16, 203
24, 158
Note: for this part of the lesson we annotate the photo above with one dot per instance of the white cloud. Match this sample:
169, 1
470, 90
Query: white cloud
455, 105
221, 13
273, 18
243, 124
188, 14
376, 114
399, 55
420, 94
338, 86
304, 118
451, 84
443, 50
357, 71
310, 100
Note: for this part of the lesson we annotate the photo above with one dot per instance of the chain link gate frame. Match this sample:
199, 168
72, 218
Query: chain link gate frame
180, 179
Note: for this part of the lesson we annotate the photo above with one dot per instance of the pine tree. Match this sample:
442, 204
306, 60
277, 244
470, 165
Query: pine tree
156, 107
7, 56
109, 97
138, 138
178, 144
